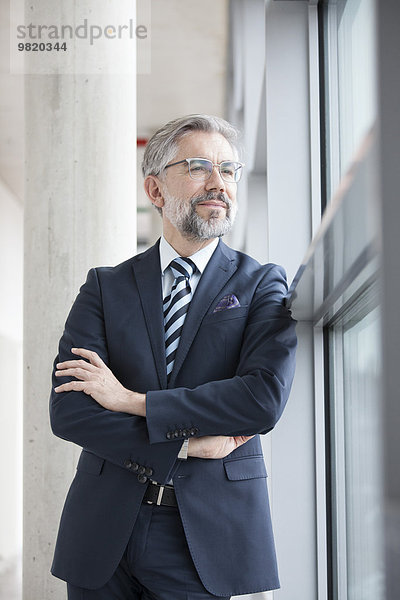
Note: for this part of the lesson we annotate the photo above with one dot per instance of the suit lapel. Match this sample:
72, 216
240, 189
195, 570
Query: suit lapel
219, 270
147, 271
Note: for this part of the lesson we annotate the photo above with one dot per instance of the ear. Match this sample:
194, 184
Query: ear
152, 187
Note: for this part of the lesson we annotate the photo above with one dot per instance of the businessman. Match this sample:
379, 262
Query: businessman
170, 366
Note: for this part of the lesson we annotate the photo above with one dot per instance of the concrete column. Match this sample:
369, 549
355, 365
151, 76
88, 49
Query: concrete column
80, 211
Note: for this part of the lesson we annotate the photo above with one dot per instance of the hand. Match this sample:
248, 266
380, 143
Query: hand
97, 380
215, 446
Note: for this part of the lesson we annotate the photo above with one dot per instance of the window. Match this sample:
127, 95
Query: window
350, 74
354, 349
350, 311
337, 290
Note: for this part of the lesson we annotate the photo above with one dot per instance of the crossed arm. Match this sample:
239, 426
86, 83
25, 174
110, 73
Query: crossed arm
94, 378
116, 423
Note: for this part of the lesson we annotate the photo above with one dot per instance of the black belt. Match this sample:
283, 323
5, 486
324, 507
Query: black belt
163, 495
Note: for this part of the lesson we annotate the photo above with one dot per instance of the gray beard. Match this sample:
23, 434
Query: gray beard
184, 217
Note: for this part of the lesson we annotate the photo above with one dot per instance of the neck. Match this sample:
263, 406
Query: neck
183, 246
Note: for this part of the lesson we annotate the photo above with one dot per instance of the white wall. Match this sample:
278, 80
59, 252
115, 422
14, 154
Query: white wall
289, 232
11, 276
11, 273
188, 62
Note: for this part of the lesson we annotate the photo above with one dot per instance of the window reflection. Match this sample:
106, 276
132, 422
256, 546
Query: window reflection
357, 470
350, 75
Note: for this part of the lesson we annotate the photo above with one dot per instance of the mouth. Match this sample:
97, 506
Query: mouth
213, 204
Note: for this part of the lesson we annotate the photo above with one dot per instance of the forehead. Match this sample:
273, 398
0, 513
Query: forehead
205, 145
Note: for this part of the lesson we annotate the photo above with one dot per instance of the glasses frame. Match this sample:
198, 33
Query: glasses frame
187, 161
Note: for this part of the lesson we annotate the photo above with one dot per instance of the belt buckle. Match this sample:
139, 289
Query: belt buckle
160, 495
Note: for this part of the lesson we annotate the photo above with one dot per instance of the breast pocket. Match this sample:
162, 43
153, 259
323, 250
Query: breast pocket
226, 315
245, 467
90, 463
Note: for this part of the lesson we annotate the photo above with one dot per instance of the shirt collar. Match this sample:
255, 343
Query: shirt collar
200, 258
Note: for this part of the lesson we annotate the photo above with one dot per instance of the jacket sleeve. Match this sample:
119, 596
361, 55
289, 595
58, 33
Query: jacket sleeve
74, 416
252, 401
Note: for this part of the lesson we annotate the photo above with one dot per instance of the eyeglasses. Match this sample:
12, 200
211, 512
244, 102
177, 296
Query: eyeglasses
201, 169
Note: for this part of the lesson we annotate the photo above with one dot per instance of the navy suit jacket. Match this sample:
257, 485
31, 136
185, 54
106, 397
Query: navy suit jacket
232, 376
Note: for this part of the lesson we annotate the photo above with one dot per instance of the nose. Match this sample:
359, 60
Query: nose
215, 182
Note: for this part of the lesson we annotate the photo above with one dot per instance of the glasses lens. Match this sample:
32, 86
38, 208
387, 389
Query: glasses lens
200, 168
231, 171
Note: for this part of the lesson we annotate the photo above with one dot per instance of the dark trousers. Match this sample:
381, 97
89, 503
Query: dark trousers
156, 565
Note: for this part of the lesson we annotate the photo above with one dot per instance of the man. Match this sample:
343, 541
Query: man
169, 367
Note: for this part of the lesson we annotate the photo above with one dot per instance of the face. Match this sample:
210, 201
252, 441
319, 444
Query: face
199, 210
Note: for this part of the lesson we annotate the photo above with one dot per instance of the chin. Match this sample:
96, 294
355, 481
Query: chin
213, 214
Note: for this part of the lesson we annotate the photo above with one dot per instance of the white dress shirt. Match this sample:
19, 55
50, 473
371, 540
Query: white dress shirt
200, 259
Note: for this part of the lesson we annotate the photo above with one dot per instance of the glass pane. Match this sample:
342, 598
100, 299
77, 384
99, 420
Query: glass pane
350, 82
356, 75
357, 468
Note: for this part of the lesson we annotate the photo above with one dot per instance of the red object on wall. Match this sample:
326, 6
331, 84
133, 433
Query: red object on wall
141, 141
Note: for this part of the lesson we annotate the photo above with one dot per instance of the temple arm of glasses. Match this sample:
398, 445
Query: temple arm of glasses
176, 163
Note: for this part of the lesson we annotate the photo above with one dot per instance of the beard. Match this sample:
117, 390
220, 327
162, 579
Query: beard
183, 215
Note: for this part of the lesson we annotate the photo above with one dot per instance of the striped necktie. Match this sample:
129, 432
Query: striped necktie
176, 305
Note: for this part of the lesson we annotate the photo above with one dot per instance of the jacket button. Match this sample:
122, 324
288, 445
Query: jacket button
128, 463
170, 435
141, 470
149, 471
142, 478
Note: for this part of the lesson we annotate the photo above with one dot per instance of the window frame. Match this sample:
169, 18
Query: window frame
328, 308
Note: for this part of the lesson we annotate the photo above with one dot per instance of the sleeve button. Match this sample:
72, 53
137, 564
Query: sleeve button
128, 464
134, 467
170, 435
149, 471
141, 470
193, 431
142, 478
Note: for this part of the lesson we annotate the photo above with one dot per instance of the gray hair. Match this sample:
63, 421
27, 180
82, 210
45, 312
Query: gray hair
163, 145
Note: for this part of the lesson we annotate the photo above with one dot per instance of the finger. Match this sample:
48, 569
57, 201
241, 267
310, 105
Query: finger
79, 373
91, 356
242, 439
74, 386
72, 364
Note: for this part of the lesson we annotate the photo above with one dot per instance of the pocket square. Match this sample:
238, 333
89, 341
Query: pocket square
229, 301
